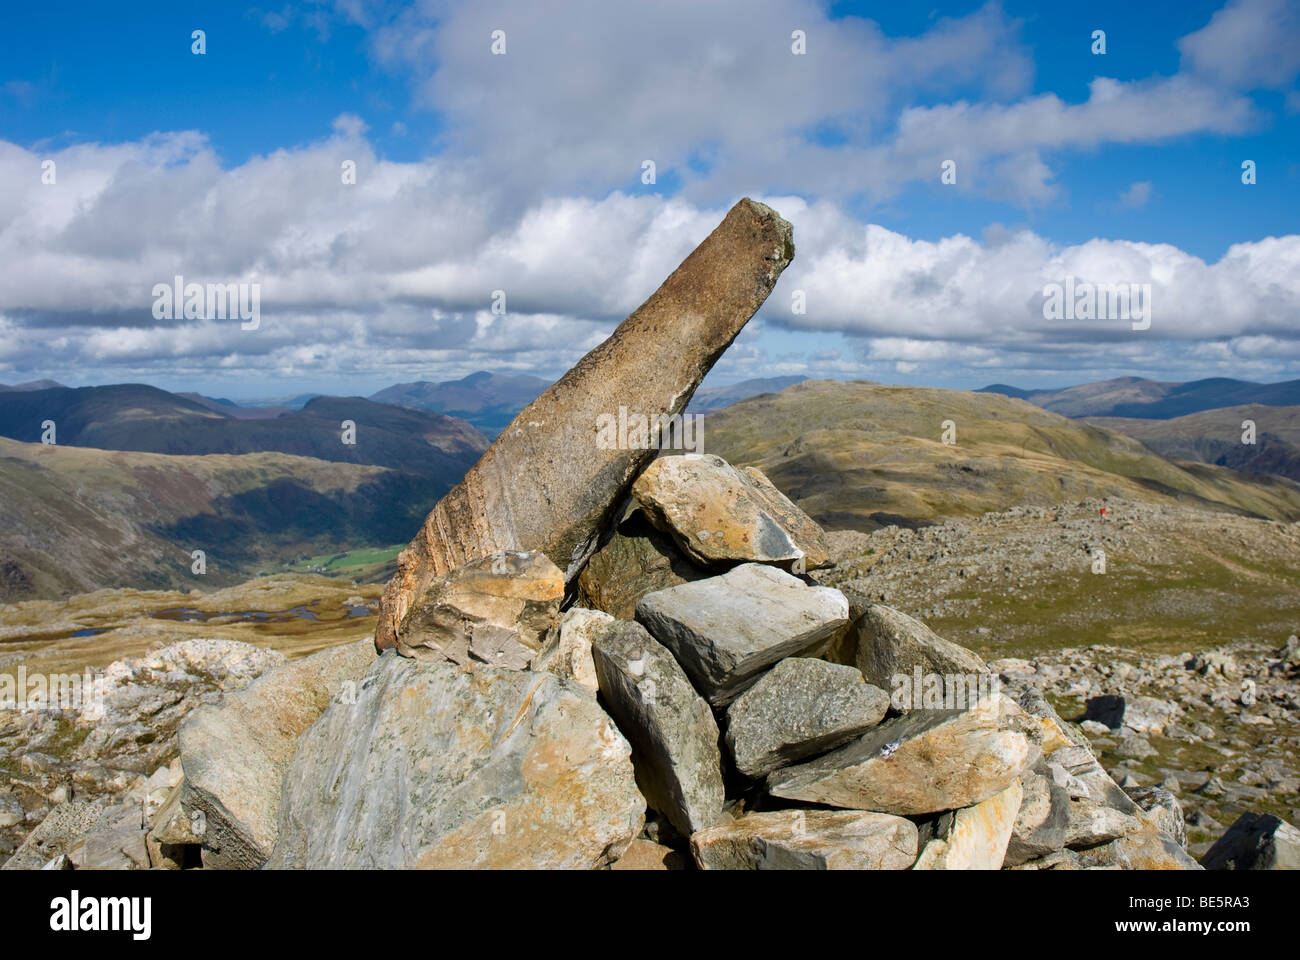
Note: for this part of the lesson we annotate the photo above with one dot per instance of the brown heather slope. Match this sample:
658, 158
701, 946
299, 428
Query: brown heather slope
74, 519
846, 451
1214, 436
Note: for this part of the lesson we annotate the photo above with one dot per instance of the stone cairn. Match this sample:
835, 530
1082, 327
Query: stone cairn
600, 655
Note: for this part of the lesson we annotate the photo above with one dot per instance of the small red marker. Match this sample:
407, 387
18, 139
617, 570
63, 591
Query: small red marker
1103, 511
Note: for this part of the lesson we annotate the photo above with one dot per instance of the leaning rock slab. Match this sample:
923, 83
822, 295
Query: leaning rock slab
495, 610
235, 754
719, 514
800, 708
727, 630
679, 765
808, 840
923, 762
438, 766
547, 483
974, 838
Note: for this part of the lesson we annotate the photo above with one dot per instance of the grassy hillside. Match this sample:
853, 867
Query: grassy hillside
74, 519
1215, 436
846, 451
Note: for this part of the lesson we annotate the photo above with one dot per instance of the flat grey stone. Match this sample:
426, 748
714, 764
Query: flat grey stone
727, 630
800, 708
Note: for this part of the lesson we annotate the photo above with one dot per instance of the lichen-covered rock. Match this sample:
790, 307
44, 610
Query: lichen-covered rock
719, 514
800, 708
494, 610
439, 766
974, 838
725, 631
567, 652
234, 754
923, 762
808, 840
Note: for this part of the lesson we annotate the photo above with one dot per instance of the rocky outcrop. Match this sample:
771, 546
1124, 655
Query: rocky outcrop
726, 630
435, 765
234, 755
547, 483
720, 514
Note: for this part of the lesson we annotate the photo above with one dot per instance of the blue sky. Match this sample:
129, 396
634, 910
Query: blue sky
522, 172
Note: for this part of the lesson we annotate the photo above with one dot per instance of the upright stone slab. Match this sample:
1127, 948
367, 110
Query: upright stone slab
672, 730
548, 483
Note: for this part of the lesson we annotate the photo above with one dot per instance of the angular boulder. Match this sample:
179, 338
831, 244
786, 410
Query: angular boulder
890, 648
1041, 822
548, 482
568, 648
923, 762
438, 766
808, 840
800, 708
725, 631
234, 754
672, 730
1255, 841
974, 838
719, 514
495, 610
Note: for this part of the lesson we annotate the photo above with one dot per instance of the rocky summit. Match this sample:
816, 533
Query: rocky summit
597, 658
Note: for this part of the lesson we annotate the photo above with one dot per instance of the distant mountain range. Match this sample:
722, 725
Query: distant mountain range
1153, 399
145, 419
139, 477
709, 399
487, 400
